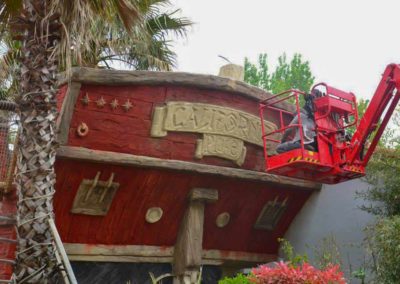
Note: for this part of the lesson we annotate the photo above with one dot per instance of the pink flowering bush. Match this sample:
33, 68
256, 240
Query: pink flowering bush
284, 273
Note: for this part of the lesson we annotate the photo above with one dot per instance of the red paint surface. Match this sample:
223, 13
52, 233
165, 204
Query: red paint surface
4, 153
144, 188
7, 251
7, 208
129, 132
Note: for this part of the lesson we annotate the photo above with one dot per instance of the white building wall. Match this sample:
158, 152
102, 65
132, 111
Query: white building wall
333, 211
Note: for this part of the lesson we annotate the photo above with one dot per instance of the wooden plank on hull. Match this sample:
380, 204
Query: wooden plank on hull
106, 157
67, 110
153, 78
157, 254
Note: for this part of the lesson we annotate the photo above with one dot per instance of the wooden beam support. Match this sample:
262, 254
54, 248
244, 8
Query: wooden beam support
96, 156
236, 256
203, 195
155, 254
152, 78
119, 253
189, 244
67, 110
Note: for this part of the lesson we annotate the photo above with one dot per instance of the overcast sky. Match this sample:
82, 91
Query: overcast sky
348, 42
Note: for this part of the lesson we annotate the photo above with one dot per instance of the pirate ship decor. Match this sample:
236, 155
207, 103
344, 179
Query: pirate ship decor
163, 172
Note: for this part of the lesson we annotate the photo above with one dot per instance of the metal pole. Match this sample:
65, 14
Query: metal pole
61, 250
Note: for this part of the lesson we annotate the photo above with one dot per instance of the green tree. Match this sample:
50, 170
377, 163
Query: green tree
257, 75
362, 105
293, 74
384, 244
383, 200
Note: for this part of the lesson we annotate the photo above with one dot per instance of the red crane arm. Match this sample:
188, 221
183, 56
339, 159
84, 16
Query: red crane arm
386, 97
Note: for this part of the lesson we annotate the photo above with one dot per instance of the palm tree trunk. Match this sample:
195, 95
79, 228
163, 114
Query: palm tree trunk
38, 29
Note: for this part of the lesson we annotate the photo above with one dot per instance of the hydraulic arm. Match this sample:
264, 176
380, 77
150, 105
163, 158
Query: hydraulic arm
375, 119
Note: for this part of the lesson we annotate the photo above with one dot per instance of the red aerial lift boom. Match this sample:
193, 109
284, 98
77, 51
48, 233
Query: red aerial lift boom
336, 157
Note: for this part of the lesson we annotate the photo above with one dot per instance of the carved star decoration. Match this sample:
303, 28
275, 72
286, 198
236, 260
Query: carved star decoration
127, 105
101, 102
86, 100
114, 104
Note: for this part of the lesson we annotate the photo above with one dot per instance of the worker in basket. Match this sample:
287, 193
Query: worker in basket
308, 125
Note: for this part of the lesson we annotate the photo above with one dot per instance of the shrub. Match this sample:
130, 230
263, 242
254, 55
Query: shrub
294, 259
239, 279
296, 270
284, 273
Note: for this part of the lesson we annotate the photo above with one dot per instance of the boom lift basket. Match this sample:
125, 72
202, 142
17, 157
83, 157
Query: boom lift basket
325, 160
338, 156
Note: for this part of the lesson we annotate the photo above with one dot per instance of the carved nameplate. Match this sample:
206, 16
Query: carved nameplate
225, 129
221, 146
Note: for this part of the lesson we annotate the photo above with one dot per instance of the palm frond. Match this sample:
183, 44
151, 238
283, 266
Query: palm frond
8, 8
9, 54
153, 51
85, 21
132, 31
166, 23
153, 7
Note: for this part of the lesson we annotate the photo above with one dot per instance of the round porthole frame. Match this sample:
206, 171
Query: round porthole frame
154, 214
222, 220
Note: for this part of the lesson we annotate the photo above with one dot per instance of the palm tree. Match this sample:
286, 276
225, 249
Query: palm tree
153, 51
148, 47
46, 31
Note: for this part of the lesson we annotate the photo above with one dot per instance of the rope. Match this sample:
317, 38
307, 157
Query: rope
37, 197
33, 219
33, 246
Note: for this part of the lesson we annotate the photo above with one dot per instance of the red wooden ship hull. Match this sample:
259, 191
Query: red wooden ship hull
168, 168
